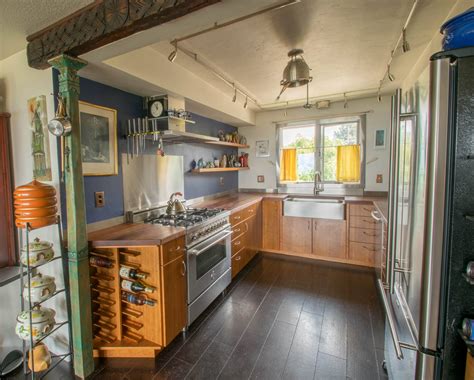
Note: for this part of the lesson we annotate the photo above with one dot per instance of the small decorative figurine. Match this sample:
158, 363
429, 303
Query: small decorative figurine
243, 140
223, 163
221, 135
200, 163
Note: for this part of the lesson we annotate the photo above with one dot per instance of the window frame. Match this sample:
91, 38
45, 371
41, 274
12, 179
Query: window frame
319, 125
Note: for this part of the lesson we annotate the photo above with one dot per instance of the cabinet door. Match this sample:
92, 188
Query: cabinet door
296, 234
271, 215
329, 238
174, 298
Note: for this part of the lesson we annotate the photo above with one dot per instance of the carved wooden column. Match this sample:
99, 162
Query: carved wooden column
77, 247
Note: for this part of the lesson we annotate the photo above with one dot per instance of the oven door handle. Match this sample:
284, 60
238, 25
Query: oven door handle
197, 252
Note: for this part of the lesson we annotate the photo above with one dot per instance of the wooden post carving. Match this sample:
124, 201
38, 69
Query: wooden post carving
77, 245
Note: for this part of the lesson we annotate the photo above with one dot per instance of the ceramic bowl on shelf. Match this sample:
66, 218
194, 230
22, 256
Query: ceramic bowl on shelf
42, 287
40, 252
42, 322
41, 358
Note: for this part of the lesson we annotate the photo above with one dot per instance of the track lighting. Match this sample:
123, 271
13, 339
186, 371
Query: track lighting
245, 104
174, 53
346, 105
390, 76
234, 98
405, 44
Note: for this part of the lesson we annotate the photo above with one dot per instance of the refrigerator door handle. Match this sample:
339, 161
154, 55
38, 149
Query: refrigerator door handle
391, 321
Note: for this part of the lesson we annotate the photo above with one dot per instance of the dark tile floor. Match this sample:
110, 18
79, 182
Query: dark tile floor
281, 319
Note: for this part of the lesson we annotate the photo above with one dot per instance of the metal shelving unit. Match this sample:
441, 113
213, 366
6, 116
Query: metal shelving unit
28, 306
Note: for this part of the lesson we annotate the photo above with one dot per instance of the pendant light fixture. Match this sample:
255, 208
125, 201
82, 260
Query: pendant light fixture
296, 72
245, 104
234, 98
390, 76
174, 53
405, 44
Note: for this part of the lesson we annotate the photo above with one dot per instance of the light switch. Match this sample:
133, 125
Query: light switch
99, 198
379, 178
260, 178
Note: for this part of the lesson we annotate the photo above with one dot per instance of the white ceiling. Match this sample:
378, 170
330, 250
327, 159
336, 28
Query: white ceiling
347, 44
20, 18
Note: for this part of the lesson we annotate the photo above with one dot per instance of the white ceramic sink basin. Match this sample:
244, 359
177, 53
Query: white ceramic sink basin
318, 208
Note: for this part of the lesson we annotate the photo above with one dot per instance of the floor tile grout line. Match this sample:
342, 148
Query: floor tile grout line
248, 324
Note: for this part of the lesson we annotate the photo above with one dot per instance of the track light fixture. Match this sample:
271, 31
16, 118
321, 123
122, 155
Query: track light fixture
234, 98
174, 53
405, 44
245, 104
346, 105
390, 76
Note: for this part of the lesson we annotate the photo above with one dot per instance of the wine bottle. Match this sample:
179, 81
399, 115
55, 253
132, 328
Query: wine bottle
136, 286
137, 299
101, 262
131, 273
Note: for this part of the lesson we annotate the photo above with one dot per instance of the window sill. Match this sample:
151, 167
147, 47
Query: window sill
9, 274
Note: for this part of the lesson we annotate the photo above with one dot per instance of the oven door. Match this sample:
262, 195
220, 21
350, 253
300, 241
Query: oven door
207, 261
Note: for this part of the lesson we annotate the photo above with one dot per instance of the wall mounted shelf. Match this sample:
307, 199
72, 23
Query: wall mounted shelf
229, 144
215, 170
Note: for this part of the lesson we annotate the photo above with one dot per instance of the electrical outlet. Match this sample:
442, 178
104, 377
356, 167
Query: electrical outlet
260, 178
379, 178
99, 198
221, 181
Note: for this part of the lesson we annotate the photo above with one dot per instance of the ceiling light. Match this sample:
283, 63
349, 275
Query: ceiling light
174, 53
245, 104
296, 72
345, 101
390, 76
234, 98
405, 44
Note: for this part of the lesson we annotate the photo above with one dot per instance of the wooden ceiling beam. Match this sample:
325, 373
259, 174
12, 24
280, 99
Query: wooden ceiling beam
104, 22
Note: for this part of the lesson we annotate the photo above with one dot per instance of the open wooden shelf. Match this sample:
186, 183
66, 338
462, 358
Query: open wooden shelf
215, 170
229, 144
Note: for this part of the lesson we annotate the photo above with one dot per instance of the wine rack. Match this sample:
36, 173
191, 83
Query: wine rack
122, 328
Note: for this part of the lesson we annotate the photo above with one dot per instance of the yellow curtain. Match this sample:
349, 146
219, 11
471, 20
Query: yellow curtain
288, 164
348, 163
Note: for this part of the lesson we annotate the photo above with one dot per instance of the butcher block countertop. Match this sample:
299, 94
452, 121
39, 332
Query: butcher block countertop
140, 234
134, 235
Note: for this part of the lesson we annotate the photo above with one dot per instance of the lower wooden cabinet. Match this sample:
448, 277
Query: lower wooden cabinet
363, 252
174, 295
329, 238
271, 215
295, 235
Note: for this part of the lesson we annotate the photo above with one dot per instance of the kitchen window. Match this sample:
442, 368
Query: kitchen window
335, 147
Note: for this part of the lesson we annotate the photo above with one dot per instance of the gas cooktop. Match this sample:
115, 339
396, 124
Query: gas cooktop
191, 217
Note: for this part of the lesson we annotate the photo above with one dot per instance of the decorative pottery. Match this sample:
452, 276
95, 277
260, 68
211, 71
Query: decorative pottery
40, 252
41, 358
216, 162
229, 137
193, 164
221, 135
223, 163
42, 287
201, 163
458, 32
243, 140
42, 321
35, 203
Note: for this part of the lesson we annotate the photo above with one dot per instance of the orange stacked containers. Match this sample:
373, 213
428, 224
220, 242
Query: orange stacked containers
35, 203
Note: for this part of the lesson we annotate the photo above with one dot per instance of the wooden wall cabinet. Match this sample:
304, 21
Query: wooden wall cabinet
271, 216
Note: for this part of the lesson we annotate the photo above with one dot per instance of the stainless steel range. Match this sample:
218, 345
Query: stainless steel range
208, 251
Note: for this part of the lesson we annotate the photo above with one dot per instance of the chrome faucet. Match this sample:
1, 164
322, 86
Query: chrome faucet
318, 184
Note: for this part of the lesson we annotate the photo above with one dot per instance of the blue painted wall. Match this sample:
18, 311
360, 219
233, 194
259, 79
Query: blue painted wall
130, 106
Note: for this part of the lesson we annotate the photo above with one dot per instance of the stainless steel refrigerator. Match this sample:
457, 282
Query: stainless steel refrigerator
430, 232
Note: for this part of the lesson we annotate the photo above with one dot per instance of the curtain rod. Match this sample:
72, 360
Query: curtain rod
321, 117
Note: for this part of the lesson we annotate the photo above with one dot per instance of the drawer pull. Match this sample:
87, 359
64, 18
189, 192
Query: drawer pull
250, 210
368, 221
366, 209
237, 217
366, 233
237, 230
237, 242
238, 258
370, 249
183, 268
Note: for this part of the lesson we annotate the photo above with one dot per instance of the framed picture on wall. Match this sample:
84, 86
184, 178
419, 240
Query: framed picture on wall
98, 139
379, 139
262, 148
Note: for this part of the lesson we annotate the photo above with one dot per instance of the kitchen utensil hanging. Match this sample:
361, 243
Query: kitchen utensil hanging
138, 130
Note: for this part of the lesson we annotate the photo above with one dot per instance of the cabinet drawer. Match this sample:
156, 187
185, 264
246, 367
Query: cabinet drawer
363, 252
361, 209
363, 222
238, 230
237, 217
172, 250
237, 262
364, 235
238, 244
